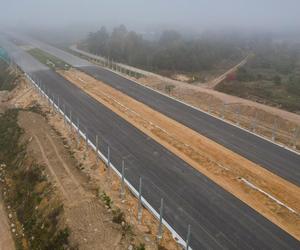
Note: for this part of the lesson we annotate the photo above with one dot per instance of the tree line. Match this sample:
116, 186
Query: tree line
171, 52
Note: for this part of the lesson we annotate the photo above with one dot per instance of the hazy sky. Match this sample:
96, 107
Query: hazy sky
194, 14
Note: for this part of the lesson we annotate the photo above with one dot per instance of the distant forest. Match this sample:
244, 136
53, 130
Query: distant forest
271, 76
171, 52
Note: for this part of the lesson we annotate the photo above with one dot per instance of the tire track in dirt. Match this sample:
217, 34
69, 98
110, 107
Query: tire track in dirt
90, 223
50, 167
6, 240
64, 164
216, 162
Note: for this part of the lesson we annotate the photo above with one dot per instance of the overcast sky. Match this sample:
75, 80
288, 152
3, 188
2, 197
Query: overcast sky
194, 14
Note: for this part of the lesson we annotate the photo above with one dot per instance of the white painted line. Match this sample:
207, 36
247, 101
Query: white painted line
203, 111
268, 195
175, 235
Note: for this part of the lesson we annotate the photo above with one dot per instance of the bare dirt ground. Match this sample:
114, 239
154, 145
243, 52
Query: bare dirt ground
229, 170
251, 114
6, 240
79, 181
87, 218
213, 83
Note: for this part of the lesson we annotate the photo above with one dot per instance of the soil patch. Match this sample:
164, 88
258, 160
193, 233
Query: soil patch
221, 165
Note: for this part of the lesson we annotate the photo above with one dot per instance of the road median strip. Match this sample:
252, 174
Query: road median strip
158, 127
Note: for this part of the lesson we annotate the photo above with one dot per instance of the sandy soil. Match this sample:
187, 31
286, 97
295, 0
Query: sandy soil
6, 240
85, 215
251, 113
253, 116
181, 77
79, 179
221, 165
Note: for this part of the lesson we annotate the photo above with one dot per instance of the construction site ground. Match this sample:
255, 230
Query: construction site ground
81, 182
249, 112
203, 96
6, 240
251, 183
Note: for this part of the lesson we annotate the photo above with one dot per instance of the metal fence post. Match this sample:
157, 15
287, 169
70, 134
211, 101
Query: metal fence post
161, 211
108, 160
140, 202
254, 123
123, 181
295, 137
209, 105
274, 129
86, 139
48, 94
78, 133
58, 103
70, 120
223, 111
53, 108
97, 149
188, 237
64, 110
238, 113
45, 93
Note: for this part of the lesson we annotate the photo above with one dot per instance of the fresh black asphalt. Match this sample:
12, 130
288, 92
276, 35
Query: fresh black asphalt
218, 219
276, 159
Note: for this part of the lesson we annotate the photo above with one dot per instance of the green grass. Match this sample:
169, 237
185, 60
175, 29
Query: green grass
28, 188
106, 199
7, 77
263, 92
267, 86
49, 60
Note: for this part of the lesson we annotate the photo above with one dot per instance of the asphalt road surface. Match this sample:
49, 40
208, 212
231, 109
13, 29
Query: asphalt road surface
270, 156
218, 219
274, 158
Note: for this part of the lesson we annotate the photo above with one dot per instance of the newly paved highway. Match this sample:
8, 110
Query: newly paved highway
218, 219
266, 154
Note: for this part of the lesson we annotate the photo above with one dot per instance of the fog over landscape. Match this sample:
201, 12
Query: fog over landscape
149, 125
198, 15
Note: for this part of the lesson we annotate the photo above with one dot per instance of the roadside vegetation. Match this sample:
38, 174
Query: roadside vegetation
272, 76
49, 60
168, 54
7, 77
32, 206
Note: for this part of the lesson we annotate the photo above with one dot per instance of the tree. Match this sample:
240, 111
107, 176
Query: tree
244, 75
117, 42
171, 52
277, 80
293, 85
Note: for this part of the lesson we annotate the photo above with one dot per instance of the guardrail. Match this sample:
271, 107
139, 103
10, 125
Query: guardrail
278, 131
106, 159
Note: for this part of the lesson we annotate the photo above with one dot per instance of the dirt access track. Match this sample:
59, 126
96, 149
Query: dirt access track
275, 198
84, 214
6, 240
79, 179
